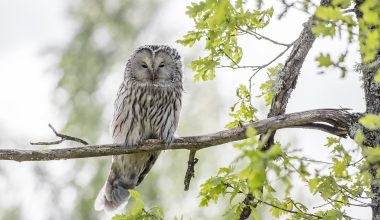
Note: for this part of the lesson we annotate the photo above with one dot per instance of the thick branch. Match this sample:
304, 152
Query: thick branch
338, 120
293, 66
291, 70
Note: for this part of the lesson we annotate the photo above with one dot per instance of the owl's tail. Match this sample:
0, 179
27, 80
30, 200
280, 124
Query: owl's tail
114, 194
127, 172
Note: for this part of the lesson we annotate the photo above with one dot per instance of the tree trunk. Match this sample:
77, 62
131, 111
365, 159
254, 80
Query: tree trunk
372, 99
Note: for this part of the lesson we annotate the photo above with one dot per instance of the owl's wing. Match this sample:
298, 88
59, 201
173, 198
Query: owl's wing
170, 125
148, 165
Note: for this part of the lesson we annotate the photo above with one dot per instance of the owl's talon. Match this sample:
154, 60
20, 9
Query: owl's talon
179, 139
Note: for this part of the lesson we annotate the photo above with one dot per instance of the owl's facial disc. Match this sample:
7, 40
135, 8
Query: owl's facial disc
155, 68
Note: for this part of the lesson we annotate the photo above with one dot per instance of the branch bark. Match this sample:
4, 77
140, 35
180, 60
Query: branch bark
292, 68
372, 99
190, 173
288, 79
334, 121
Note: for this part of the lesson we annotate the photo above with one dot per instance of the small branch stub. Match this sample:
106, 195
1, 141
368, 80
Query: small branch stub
190, 169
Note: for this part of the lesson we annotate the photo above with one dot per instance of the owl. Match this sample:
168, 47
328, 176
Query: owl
147, 106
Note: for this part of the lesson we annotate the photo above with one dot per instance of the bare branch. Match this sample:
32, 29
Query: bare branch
291, 69
257, 68
190, 169
339, 119
260, 36
63, 137
246, 212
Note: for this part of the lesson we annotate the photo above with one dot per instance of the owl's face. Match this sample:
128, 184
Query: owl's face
155, 65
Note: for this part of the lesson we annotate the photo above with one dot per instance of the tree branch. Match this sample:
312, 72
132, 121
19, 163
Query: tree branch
291, 70
63, 137
293, 66
339, 121
289, 76
190, 169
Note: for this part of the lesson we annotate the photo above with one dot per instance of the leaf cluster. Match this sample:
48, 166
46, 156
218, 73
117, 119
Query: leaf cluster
242, 111
138, 211
219, 23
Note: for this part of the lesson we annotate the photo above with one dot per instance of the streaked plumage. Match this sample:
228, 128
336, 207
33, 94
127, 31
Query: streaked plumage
147, 106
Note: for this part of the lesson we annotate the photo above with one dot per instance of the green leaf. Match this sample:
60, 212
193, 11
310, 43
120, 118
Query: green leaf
341, 3
359, 137
274, 152
331, 141
372, 155
160, 212
224, 170
333, 215
242, 110
321, 29
328, 13
190, 38
139, 205
251, 132
377, 77
313, 183
370, 121
339, 167
324, 60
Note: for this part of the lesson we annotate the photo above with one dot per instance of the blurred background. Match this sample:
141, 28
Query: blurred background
61, 62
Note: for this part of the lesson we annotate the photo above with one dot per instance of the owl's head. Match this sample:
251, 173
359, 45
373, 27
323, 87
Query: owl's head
156, 65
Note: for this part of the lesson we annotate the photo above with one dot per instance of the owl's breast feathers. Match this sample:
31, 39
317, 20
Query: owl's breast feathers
144, 111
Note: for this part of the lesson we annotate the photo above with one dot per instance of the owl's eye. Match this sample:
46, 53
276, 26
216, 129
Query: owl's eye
161, 65
144, 66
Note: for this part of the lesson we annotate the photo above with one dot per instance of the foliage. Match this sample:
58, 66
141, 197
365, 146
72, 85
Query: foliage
138, 211
370, 121
219, 22
370, 27
342, 181
324, 60
242, 111
334, 21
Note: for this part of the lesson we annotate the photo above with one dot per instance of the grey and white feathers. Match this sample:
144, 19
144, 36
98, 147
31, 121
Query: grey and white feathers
147, 106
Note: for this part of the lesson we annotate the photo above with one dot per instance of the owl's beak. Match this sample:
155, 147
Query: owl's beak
154, 75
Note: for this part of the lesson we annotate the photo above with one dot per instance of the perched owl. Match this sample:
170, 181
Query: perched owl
147, 106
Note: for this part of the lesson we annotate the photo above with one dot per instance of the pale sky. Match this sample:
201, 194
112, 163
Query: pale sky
27, 82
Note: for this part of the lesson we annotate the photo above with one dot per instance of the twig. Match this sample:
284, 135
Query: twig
287, 210
259, 68
311, 160
237, 67
190, 169
322, 205
63, 137
260, 36
352, 204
